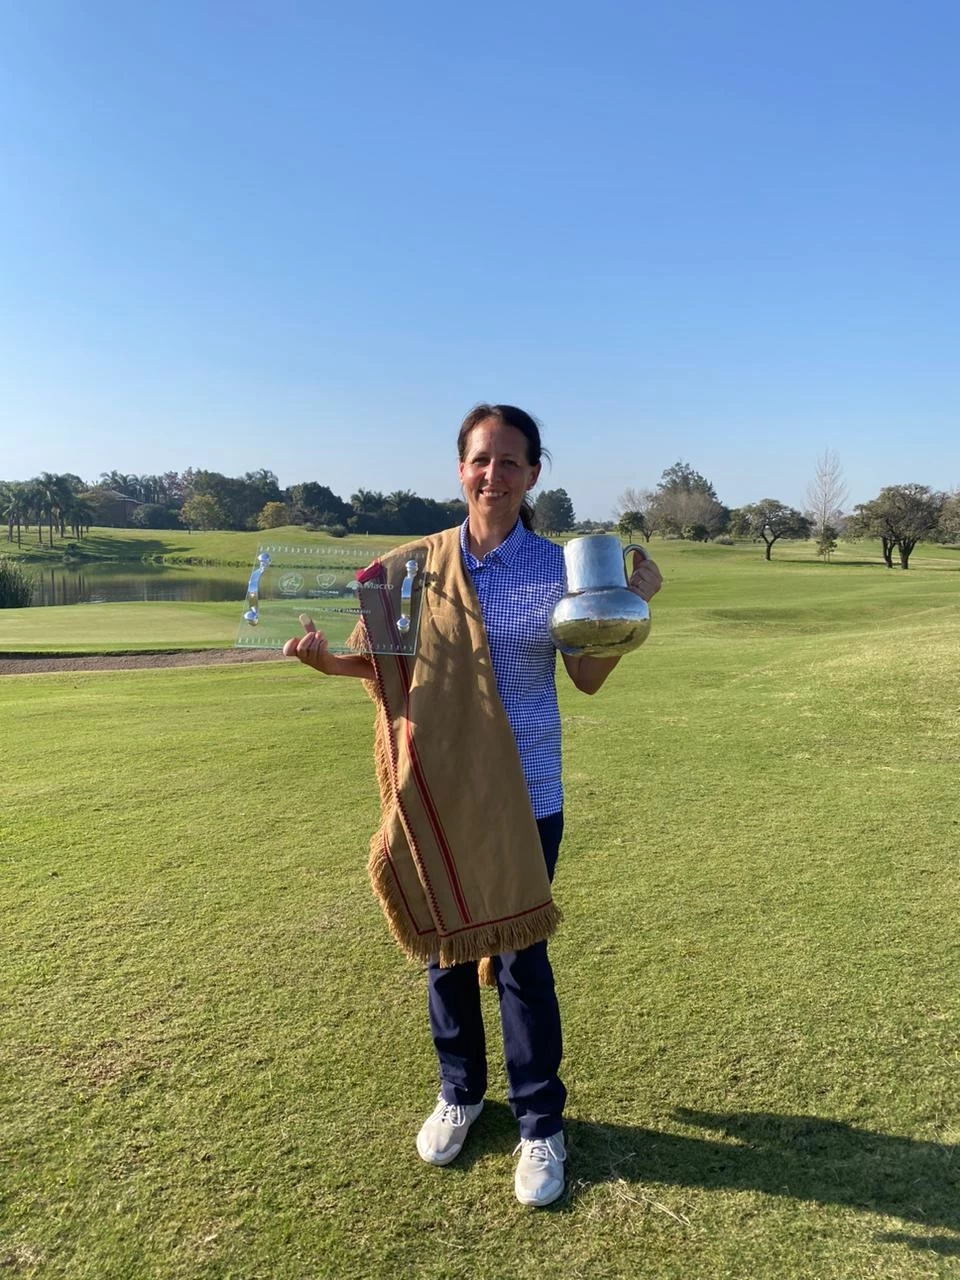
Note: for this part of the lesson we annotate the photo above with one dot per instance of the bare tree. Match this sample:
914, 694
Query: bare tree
826, 493
686, 505
635, 500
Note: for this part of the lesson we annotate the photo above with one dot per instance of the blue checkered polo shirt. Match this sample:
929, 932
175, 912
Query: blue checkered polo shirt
518, 583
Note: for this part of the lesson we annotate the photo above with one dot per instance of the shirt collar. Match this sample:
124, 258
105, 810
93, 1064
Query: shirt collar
505, 553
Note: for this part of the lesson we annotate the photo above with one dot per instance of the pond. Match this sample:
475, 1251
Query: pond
112, 583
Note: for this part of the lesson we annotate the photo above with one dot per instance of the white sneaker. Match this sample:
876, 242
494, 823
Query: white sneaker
540, 1178
444, 1131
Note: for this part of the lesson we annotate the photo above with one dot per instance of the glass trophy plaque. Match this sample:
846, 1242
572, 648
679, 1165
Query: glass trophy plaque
335, 588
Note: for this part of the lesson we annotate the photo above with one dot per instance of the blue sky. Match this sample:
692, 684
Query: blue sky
310, 236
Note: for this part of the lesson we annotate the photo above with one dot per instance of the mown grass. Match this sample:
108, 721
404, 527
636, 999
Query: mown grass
180, 546
713, 590
214, 1061
119, 628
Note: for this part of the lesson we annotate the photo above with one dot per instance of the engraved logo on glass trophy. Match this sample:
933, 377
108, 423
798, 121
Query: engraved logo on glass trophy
336, 587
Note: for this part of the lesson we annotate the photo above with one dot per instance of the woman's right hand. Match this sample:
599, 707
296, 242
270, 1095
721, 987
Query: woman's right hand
312, 648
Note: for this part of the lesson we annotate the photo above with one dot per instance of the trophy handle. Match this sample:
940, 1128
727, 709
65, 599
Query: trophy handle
406, 596
252, 613
634, 546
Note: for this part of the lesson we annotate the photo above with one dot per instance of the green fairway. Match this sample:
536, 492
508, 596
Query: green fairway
213, 1060
713, 589
119, 628
179, 546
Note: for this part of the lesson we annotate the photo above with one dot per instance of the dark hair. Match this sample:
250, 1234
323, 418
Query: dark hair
512, 417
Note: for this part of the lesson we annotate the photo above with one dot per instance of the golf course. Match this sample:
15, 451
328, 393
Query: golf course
214, 1060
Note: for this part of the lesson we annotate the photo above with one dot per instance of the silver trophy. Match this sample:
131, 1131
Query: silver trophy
336, 588
599, 616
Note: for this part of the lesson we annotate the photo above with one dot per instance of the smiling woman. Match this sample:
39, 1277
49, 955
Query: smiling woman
467, 748
500, 459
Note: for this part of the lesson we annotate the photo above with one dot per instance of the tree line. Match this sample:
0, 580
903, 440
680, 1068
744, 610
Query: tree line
199, 499
685, 505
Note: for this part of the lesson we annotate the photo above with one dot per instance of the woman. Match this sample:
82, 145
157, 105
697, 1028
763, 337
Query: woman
468, 753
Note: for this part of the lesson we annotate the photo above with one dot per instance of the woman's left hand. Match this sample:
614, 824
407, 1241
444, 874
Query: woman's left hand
645, 581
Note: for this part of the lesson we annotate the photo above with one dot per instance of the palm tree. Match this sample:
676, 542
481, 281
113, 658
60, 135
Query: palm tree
399, 498
53, 495
79, 513
123, 488
34, 503
150, 489
45, 498
6, 493
14, 507
112, 480
70, 485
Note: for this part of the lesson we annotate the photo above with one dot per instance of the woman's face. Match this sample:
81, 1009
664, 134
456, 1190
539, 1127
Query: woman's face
495, 472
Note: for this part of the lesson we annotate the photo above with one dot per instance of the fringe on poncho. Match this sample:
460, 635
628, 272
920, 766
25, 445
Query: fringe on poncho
456, 862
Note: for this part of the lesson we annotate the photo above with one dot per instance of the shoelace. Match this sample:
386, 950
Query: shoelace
450, 1113
538, 1150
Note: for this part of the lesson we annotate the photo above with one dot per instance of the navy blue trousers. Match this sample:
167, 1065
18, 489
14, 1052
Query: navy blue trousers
529, 1017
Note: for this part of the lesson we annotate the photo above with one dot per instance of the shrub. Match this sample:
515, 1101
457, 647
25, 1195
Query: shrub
16, 587
273, 516
724, 540
336, 530
153, 516
696, 532
826, 542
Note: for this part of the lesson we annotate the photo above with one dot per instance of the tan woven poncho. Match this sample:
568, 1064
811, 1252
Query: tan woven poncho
456, 861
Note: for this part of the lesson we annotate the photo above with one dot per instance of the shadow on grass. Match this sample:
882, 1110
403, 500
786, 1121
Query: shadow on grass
938, 1244
97, 547
873, 562
866, 562
801, 1157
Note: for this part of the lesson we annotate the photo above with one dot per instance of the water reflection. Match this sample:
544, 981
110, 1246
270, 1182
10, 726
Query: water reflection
109, 584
